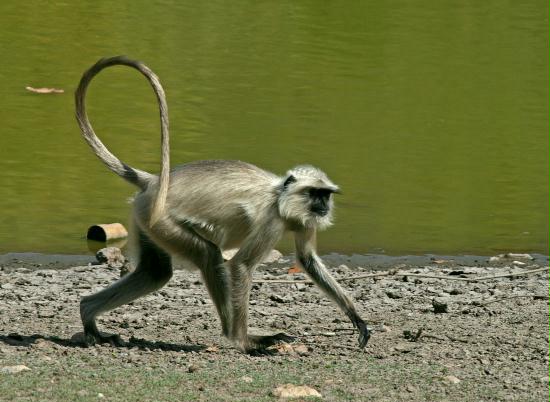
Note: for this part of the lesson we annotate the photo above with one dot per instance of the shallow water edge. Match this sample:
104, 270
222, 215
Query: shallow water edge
370, 261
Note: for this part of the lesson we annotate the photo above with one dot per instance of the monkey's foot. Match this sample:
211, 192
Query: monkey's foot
91, 339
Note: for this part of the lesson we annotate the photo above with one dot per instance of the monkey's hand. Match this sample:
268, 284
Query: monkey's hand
364, 333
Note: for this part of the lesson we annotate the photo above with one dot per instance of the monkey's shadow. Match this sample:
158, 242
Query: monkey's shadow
15, 339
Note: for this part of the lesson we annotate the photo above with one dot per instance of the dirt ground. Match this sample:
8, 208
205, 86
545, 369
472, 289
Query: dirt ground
433, 339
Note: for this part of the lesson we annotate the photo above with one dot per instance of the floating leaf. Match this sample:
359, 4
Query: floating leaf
45, 90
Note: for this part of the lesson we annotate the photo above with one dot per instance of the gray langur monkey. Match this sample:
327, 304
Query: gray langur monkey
198, 209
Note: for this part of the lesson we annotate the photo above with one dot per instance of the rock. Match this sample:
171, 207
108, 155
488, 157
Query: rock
440, 306
13, 369
451, 379
193, 368
501, 257
522, 256
246, 379
46, 314
279, 323
393, 295
112, 256
289, 391
413, 336
212, 349
281, 299
454, 291
301, 287
301, 349
403, 347
41, 343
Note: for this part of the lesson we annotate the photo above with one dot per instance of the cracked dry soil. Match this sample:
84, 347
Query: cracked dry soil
488, 341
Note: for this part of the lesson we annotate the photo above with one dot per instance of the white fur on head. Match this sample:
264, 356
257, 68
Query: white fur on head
295, 201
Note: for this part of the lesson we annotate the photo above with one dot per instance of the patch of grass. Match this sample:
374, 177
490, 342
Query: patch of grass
70, 378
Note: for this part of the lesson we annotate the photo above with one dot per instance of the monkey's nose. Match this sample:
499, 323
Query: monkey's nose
319, 211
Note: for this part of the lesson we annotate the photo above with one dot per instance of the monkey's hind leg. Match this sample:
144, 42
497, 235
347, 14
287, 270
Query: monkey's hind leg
214, 275
153, 271
188, 244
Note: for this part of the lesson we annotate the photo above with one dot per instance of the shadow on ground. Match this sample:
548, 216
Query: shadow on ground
16, 339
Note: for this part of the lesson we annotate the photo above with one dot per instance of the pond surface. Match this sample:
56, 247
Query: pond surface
432, 116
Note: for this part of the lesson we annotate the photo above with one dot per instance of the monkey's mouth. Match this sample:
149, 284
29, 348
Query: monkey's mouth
320, 211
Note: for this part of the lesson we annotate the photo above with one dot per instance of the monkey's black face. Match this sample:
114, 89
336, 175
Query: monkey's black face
320, 200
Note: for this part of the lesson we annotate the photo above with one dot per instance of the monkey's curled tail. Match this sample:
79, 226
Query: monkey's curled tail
137, 177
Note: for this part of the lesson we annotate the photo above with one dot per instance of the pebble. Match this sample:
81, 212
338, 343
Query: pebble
440, 306
46, 314
392, 294
301, 349
290, 391
281, 299
193, 368
300, 287
451, 379
403, 347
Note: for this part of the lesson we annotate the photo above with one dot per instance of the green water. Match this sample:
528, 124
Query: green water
432, 116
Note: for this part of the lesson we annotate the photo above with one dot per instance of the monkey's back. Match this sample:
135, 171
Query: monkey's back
220, 198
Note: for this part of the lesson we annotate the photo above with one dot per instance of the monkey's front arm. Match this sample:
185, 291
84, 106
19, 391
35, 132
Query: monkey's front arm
311, 263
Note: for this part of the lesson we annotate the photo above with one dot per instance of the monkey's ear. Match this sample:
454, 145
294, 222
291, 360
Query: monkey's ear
289, 179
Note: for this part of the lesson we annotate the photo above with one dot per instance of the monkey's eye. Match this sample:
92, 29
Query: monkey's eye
319, 193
